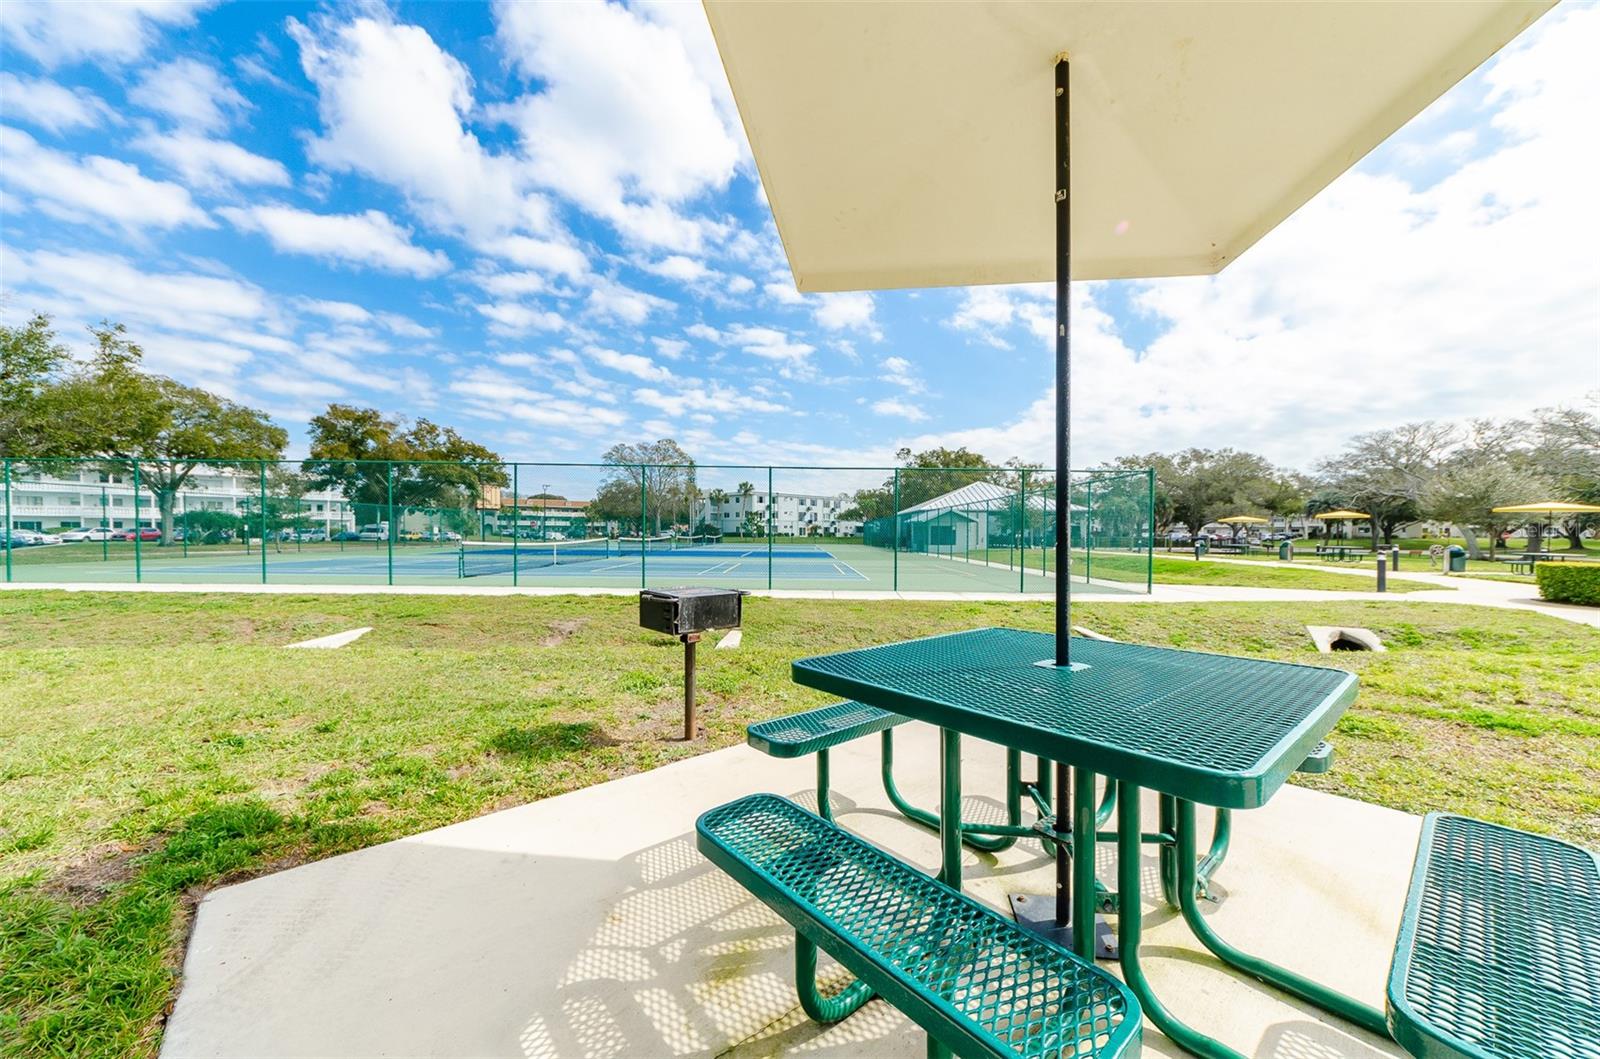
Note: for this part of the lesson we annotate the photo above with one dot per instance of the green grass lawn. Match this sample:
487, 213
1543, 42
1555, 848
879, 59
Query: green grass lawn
160, 744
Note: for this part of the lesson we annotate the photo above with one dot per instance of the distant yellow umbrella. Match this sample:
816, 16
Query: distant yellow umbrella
1350, 516
1549, 508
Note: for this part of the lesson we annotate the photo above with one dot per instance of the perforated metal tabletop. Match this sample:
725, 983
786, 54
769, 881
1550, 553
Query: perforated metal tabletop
1213, 729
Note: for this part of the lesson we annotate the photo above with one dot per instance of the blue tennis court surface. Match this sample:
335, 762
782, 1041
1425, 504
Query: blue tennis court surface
480, 563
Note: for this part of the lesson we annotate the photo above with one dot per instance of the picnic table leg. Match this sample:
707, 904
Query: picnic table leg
986, 838
1130, 925
1368, 1018
1083, 864
821, 1008
1063, 826
950, 807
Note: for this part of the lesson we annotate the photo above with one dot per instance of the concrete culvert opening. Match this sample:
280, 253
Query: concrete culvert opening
1330, 638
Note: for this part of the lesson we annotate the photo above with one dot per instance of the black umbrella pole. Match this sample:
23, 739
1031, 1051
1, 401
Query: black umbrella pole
1063, 369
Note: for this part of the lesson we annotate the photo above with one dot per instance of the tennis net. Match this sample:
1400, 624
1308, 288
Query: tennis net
642, 545
479, 559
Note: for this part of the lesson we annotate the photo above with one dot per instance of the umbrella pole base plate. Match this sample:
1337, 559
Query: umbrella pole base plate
1036, 914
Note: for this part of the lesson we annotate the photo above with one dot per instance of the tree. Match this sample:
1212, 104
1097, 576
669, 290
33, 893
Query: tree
923, 476
1486, 471
1385, 472
386, 463
31, 365
1567, 450
161, 429
1200, 483
664, 472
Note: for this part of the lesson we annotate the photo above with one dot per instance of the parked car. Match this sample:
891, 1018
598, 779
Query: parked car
311, 536
347, 535
33, 537
145, 534
18, 539
88, 533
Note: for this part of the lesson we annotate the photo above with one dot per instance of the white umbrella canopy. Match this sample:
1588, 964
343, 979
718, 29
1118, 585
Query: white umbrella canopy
910, 144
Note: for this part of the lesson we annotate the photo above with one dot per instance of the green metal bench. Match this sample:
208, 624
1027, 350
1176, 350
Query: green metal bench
818, 731
976, 982
1499, 949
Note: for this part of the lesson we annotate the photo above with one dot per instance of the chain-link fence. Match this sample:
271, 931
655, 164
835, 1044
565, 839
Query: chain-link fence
361, 522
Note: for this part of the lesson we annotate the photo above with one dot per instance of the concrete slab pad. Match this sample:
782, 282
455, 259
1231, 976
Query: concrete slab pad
338, 639
588, 925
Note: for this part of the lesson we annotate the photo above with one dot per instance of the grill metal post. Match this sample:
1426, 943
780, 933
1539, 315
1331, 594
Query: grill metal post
690, 721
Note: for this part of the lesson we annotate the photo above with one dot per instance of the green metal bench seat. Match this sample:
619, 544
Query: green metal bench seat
818, 731
976, 982
1498, 955
1319, 760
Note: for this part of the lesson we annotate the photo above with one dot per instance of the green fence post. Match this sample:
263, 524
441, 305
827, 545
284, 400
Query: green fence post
516, 523
105, 526
772, 504
184, 500
389, 514
8, 520
261, 471
138, 530
1020, 535
894, 538
1150, 543
1088, 530
644, 518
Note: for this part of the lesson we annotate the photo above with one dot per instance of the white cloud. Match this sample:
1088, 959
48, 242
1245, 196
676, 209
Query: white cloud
846, 312
47, 105
341, 312
546, 255
680, 268
612, 299
629, 364
769, 343
626, 124
898, 370
671, 348
784, 292
990, 312
52, 32
512, 284
392, 104
189, 92
93, 186
512, 318
369, 238
191, 325
704, 332
894, 406
212, 164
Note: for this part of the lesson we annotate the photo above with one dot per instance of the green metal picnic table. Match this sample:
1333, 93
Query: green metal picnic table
1196, 728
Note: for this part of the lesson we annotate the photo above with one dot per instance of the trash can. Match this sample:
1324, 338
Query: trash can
1286, 550
1458, 559
1201, 546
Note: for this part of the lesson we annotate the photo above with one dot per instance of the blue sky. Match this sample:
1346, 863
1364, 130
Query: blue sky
540, 223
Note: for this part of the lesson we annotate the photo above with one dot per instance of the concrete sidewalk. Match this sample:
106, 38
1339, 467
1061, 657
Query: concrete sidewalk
588, 925
1459, 590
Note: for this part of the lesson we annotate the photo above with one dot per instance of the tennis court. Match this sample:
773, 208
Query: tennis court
824, 564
